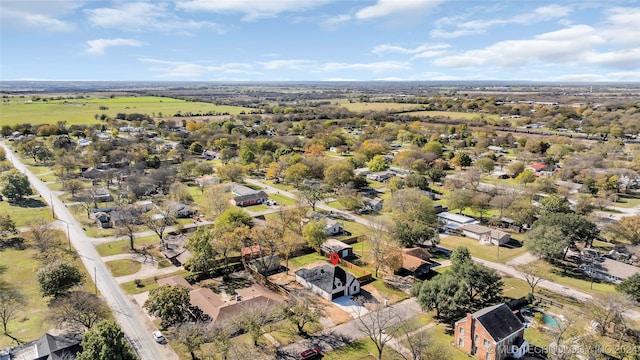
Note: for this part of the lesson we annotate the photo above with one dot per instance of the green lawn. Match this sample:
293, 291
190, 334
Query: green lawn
122, 246
281, 186
123, 267
485, 252
378, 106
515, 288
83, 111
627, 202
28, 211
455, 115
300, 261
363, 349
336, 205
282, 200
574, 279
148, 284
256, 208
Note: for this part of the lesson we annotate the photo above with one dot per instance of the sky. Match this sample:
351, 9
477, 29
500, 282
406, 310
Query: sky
320, 40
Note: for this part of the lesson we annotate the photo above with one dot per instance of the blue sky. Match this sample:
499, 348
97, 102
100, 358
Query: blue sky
320, 40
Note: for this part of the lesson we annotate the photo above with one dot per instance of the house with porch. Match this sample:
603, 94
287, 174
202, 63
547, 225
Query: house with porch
485, 235
329, 282
493, 333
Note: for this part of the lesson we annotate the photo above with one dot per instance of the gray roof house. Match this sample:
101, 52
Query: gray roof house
49, 347
329, 282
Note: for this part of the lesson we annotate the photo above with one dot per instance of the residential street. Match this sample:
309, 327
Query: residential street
135, 324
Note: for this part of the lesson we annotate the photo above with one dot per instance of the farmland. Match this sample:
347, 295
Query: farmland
15, 110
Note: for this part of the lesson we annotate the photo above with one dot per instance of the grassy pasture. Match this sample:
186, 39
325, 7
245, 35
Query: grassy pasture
82, 111
455, 115
374, 106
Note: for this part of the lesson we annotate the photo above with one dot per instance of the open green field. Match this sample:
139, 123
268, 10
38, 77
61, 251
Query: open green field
500, 254
455, 115
27, 212
374, 106
574, 279
82, 111
122, 246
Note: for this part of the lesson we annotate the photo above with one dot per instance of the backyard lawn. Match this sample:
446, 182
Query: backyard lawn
27, 211
574, 279
123, 267
500, 254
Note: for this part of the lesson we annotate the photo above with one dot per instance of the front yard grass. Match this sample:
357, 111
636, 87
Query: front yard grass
148, 284
122, 246
26, 212
572, 278
515, 288
362, 349
123, 267
282, 200
485, 252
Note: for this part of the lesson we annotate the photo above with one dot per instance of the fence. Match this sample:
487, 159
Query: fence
267, 283
365, 275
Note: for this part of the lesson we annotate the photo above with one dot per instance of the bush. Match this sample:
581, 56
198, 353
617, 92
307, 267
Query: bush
138, 282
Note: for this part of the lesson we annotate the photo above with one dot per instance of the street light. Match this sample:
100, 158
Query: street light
68, 233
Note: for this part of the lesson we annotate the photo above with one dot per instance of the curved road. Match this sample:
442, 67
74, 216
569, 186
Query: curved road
134, 322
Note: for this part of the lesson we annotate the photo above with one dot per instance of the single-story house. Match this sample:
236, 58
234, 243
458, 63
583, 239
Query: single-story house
362, 171
610, 270
92, 173
453, 221
498, 149
175, 280
484, 234
181, 211
250, 199
537, 168
48, 347
329, 282
174, 249
416, 261
241, 190
493, 333
381, 176
265, 264
331, 246
206, 180
84, 142
100, 195
374, 204
210, 155
333, 227
144, 205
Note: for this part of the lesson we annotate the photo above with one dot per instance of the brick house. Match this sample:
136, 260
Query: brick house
250, 199
493, 333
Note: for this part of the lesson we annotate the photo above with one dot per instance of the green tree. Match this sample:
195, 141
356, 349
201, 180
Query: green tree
14, 185
7, 225
548, 242
526, 177
230, 172
202, 252
485, 164
192, 335
73, 186
338, 173
573, 226
247, 156
631, 286
312, 194
296, 173
299, 313
435, 174
234, 217
410, 233
169, 303
445, 294
57, 278
315, 234
196, 148
462, 159
105, 342
378, 163
554, 204
626, 228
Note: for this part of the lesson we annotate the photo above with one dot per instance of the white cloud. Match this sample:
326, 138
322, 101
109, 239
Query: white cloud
139, 16
390, 7
464, 28
190, 70
622, 26
335, 21
252, 9
289, 64
38, 14
99, 46
340, 79
375, 67
387, 48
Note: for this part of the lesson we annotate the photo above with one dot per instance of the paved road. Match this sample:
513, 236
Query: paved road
134, 322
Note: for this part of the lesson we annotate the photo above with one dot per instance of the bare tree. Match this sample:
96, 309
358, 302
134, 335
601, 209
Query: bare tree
534, 275
79, 309
192, 335
255, 320
560, 349
312, 195
383, 251
420, 343
42, 235
377, 326
214, 201
159, 221
608, 310
127, 225
11, 303
301, 312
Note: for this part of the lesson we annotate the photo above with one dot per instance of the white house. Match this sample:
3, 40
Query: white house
333, 227
329, 282
454, 221
485, 235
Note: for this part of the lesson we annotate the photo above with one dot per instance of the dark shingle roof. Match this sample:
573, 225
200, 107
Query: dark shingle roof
498, 320
323, 276
260, 195
51, 347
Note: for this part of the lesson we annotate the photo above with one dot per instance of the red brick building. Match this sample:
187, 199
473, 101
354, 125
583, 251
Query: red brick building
493, 333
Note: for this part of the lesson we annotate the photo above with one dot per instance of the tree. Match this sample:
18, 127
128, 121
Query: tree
296, 173
383, 252
57, 278
573, 226
214, 201
231, 172
14, 185
254, 319
421, 345
554, 204
130, 218
169, 303
485, 164
501, 202
338, 173
460, 199
73, 186
462, 159
105, 342
7, 225
229, 238
234, 217
410, 233
435, 174
11, 303
192, 335
315, 234
480, 203
547, 242
159, 221
534, 275
526, 177
631, 286
378, 163
350, 198
608, 310
42, 235
480, 283
299, 313
312, 194
79, 310
202, 252
444, 293
626, 228
378, 326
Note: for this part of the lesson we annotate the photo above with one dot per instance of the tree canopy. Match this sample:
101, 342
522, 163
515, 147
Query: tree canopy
169, 303
105, 342
57, 278
15, 185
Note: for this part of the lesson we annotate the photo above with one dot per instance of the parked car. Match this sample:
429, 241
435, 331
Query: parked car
311, 353
158, 337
